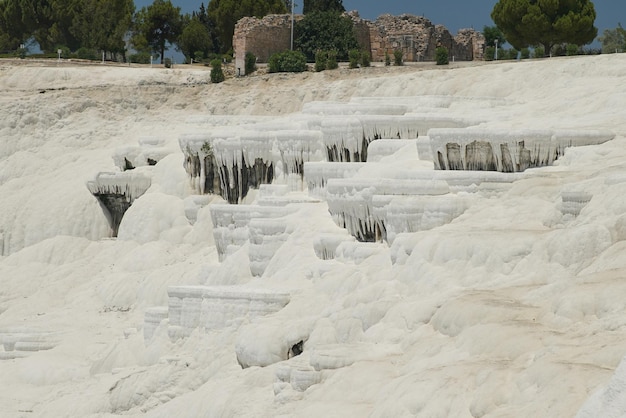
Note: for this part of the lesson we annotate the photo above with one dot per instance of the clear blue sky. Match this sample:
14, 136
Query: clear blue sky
453, 14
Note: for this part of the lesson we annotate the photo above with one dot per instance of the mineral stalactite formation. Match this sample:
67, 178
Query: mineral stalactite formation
117, 192
506, 151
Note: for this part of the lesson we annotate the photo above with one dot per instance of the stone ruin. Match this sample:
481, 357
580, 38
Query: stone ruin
263, 37
418, 39
416, 36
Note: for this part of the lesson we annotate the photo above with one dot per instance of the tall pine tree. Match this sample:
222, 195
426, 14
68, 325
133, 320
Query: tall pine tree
545, 22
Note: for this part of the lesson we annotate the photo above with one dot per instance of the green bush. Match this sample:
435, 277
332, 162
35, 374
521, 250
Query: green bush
86, 54
331, 61
287, 62
397, 57
320, 60
591, 51
167, 62
441, 55
354, 57
539, 52
217, 74
65, 51
387, 60
366, 59
140, 58
490, 53
21, 53
198, 56
571, 50
509, 54
250, 63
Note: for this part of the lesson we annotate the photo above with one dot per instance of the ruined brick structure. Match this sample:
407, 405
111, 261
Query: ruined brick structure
263, 37
416, 36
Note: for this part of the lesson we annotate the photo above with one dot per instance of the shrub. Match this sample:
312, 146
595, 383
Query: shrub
86, 54
198, 56
140, 58
441, 55
397, 57
65, 51
387, 60
250, 63
320, 60
490, 53
510, 54
354, 56
539, 52
167, 62
217, 74
366, 60
21, 53
525, 53
288, 61
591, 51
331, 61
571, 50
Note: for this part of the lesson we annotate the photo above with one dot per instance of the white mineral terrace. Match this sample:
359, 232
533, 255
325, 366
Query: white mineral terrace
230, 290
17, 342
506, 150
149, 151
231, 224
214, 307
129, 184
416, 104
342, 108
351, 202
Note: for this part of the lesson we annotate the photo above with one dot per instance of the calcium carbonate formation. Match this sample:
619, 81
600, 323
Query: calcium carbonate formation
333, 154
117, 192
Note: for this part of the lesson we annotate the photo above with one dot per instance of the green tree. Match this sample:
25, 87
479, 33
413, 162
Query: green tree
203, 16
492, 33
49, 22
195, 38
545, 22
322, 6
13, 30
226, 13
103, 24
157, 25
613, 40
326, 31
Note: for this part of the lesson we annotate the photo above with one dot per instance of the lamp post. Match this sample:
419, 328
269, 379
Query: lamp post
496, 53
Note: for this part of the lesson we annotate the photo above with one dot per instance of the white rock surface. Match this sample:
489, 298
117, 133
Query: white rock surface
486, 315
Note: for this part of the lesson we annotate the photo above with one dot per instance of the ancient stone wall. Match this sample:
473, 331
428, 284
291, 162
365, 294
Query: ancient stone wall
473, 44
361, 30
418, 39
416, 36
262, 37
